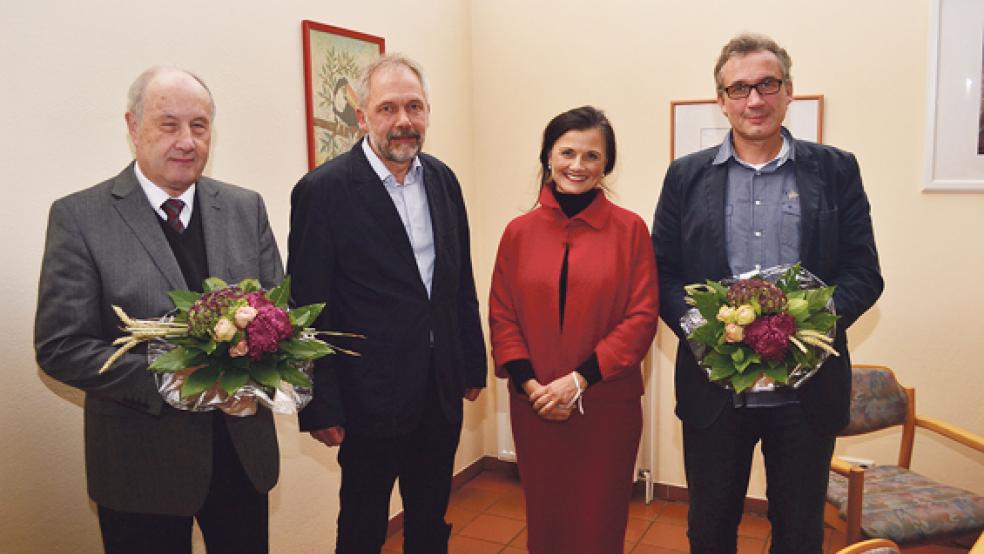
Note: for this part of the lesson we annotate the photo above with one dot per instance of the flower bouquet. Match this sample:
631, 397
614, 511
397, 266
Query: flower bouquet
231, 347
774, 328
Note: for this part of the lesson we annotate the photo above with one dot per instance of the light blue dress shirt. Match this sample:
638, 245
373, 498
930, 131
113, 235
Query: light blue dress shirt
410, 199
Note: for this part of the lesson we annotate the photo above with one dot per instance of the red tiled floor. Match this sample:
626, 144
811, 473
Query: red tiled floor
488, 515
459, 518
474, 498
754, 526
675, 513
636, 528
500, 530
511, 505
465, 545
520, 540
650, 549
666, 535
639, 508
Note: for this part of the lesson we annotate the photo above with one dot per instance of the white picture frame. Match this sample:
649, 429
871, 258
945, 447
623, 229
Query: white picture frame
954, 160
699, 124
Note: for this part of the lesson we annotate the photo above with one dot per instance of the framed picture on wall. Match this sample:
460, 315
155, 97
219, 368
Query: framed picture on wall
955, 113
333, 59
699, 124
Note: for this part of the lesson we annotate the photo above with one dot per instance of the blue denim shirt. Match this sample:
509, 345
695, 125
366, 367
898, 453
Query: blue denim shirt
762, 209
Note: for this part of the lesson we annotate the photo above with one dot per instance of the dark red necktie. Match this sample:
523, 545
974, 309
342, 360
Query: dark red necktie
172, 207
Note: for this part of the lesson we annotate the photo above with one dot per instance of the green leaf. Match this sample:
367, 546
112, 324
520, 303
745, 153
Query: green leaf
200, 380
818, 297
233, 379
720, 290
305, 349
777, 374
295, 377
749, 358
209, 346
742, 381
799, 308
265, 374
822, 322
175, 360
213, 283
305, 315
719, 373
788, 282
250, 285
183, 299
280, 294
708, 333
707, 304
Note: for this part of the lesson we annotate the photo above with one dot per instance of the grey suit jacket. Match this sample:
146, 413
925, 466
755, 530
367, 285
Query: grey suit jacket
104, 246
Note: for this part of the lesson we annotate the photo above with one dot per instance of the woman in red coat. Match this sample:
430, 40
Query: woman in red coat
573, 310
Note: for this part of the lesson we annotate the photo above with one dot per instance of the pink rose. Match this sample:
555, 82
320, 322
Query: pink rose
241, 348
733, 332
224, 330
244, 316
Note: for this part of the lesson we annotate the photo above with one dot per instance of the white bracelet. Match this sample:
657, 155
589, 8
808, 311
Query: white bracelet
577, 397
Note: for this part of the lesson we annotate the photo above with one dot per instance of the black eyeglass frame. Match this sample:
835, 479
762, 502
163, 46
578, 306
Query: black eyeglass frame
759, 87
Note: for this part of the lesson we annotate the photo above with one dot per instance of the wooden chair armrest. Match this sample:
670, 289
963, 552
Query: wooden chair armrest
855, 496
841, 467
951, 431
868, 545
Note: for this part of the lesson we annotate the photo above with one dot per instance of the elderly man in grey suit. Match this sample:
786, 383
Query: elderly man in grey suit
157, 226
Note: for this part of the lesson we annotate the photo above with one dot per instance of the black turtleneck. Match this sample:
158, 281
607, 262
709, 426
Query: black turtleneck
572, 204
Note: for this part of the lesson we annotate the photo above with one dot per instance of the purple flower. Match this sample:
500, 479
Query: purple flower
258, 300
769, 335
265, 333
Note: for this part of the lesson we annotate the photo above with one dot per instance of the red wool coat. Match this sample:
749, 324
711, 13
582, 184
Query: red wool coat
612, 302
576, 475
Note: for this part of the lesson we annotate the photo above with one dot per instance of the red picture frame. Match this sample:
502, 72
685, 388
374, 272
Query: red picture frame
333, 59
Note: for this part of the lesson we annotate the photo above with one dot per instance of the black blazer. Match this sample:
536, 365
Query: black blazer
837, 244
348, 247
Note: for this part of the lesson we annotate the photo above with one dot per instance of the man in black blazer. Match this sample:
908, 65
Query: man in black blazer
380, 234
762, 198
152, 468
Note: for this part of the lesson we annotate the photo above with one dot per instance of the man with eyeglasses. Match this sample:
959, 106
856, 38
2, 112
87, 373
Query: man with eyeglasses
760, 199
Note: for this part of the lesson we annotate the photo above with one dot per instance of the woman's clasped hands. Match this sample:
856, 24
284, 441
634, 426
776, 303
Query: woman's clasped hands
556, 400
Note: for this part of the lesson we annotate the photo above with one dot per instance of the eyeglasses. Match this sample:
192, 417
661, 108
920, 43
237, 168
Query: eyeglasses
742, 90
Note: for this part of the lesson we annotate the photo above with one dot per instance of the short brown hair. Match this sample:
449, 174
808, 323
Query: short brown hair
748, 43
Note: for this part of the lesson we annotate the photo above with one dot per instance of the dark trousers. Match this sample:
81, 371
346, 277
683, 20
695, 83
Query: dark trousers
718, 461
423, 461
233, 518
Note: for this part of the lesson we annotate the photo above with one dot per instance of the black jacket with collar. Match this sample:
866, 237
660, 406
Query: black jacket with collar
348, 248
837, 244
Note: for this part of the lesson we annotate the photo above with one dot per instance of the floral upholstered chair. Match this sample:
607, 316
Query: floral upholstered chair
890, 501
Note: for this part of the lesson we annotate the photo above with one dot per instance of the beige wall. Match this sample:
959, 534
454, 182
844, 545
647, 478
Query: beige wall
66, 68
499, 71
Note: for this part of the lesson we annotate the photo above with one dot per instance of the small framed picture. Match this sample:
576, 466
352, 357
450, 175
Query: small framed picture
955, 114
699, 124
333, 59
